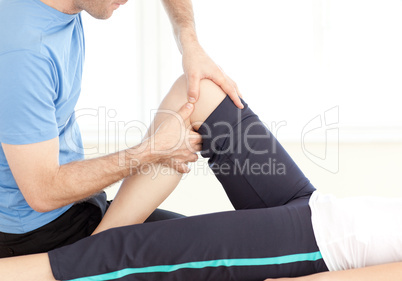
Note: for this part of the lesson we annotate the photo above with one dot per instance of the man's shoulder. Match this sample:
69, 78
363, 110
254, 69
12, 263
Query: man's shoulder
19, 29
25, 24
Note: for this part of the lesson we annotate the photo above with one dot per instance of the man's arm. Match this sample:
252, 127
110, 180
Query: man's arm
181, 16
46, 185
197, 65
384, 272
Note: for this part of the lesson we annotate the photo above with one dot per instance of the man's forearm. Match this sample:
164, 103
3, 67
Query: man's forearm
181, 16
78, 180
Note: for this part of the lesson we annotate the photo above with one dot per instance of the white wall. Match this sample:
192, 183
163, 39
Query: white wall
316, 71
292, 59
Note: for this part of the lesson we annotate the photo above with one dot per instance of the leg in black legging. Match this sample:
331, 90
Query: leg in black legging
244, 245
253, 167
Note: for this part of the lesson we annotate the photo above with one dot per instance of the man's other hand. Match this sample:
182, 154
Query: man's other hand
174, 142
197, 65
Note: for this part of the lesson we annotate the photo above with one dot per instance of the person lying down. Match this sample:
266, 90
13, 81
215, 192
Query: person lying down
282, 226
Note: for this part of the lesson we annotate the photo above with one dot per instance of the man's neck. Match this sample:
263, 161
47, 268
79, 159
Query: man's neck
64, 6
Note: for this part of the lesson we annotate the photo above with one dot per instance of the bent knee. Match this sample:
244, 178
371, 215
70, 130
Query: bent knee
177, 95
209, 91
211, 95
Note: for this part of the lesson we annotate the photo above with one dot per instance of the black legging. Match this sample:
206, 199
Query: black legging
270, 234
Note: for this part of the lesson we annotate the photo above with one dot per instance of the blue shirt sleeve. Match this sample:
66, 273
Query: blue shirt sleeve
28, 89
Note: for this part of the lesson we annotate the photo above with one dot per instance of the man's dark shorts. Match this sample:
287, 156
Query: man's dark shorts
77, 223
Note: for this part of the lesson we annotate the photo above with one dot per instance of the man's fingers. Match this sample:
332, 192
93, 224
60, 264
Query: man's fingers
235, 98
230, 92
181, 167
236, 87
229, 89
198, 147
193, 158
184, 168
194, 133
186, 110
195, 147
195, 137
193, 88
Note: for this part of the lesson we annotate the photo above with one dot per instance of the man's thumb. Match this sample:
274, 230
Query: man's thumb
186, 110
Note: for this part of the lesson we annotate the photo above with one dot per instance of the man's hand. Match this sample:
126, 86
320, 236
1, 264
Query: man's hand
197, 65
174, 143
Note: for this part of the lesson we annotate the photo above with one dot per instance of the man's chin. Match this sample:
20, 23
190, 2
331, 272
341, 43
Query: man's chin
102, 16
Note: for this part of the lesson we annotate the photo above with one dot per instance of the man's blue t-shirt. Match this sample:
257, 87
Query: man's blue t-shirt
41, 60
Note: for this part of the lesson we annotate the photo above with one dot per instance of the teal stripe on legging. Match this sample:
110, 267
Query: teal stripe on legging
202, 264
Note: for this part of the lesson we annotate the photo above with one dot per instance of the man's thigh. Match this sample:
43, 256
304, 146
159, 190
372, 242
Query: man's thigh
78, 222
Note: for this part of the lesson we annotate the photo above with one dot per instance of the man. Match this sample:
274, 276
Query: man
41, 176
